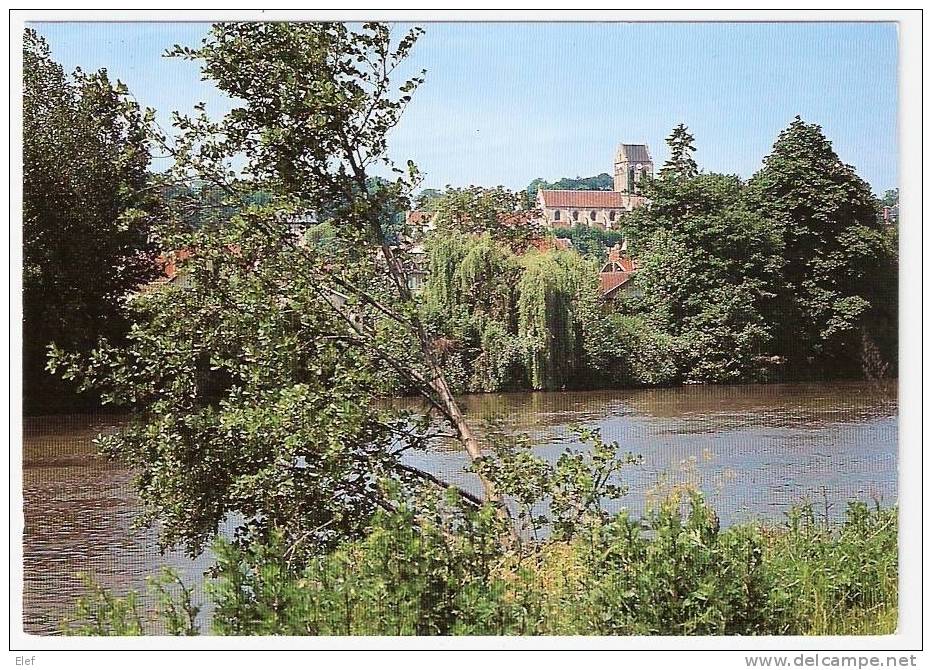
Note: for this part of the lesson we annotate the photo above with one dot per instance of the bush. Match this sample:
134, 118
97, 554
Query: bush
675, 572
100, 613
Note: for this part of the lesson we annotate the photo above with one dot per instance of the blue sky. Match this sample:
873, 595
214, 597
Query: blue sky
507, 102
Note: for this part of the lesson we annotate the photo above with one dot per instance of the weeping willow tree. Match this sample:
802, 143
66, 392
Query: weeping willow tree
549, 320
469, 272
507, 321
469, 302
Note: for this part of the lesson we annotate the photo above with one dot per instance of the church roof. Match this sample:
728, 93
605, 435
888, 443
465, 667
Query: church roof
583, 199
634, 153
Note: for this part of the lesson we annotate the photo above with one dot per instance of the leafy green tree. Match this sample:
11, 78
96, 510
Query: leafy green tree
255, 374
497, 212
548, 291
592, 241
839, 267
256, 403
85, 160
708, 266
681, 163
505, 320
468, 304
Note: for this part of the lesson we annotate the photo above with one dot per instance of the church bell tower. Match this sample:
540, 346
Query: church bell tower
632, 161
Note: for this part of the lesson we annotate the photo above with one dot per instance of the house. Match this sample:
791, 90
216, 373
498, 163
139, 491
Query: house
420, 220
890, 215
616, 275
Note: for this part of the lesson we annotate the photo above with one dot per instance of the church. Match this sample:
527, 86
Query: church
600, 208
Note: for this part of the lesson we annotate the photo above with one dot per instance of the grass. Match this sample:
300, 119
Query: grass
675, 572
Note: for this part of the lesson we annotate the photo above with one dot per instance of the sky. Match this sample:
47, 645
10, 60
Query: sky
504, 103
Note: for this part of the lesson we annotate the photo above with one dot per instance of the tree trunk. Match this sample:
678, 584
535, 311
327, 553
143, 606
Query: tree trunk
438, 384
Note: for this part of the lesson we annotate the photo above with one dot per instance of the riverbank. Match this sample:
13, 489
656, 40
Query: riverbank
676, 572
754, 451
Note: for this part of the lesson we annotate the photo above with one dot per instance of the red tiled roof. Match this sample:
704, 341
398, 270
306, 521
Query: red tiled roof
544, 244
620, 259
519, 219
583, 199
612, 280
591, 199
169, 261
419, 217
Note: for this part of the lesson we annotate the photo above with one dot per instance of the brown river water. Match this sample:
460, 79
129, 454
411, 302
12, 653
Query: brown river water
754, 450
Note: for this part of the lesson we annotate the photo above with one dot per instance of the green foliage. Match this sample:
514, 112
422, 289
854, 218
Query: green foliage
433, 564
506, 321
547, 319
681, 164
891, 197
626, 350
676, 572
467, 304
85, 212
708, 268
100, 613
255, 402
309, 96
251, 375
592, 242
574, 489
838, 265
496, 212
840, 582
409, 576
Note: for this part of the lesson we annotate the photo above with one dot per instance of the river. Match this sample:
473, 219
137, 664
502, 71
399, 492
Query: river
754, 450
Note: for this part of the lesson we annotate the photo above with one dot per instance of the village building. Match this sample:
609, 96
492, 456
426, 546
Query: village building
890, 215
421, 220
600, 208
616, 275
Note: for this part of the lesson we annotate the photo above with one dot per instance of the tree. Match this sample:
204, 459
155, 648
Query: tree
506, 320
255, 402
496, 211
838, 262
592, 241
891, 197
468, 306
708, 267
315, 103
681, 163
547, 316
85, 160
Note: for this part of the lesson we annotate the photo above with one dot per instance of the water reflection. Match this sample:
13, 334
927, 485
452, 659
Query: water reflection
754, 450
79, 512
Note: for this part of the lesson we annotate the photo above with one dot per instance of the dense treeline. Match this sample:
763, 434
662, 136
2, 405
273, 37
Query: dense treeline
788, 275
